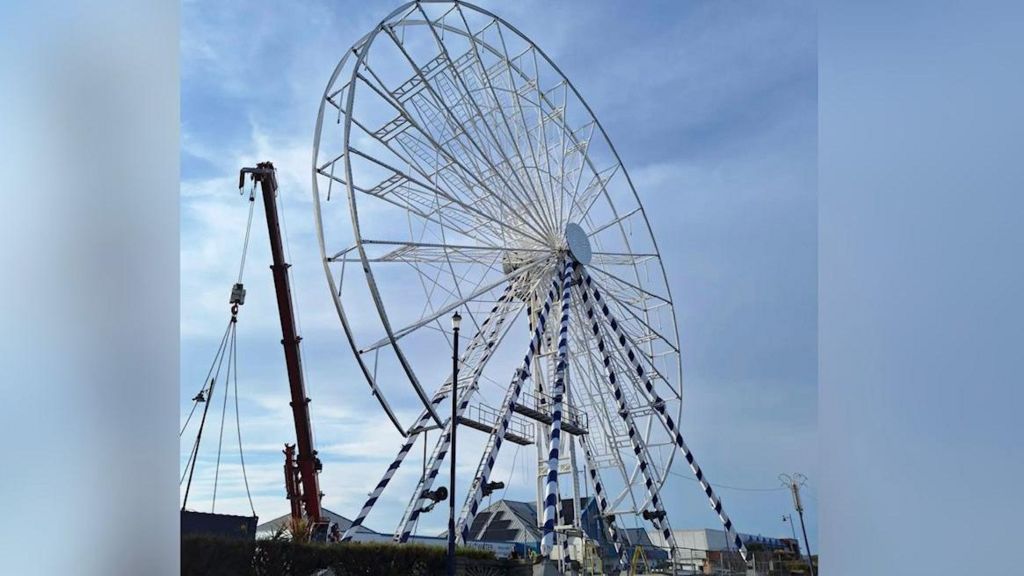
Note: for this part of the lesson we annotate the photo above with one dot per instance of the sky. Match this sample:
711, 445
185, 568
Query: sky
712, 107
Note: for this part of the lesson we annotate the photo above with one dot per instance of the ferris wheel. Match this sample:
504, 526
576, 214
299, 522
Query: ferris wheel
456, 169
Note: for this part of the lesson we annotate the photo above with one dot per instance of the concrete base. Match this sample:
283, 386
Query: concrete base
546, 568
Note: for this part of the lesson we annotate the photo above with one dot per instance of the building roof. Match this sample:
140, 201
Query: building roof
638, 537
525, 511
272, 526
506, 521
766, 541
513, 521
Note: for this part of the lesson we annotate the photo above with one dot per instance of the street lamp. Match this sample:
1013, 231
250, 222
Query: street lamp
456, 322
792, 528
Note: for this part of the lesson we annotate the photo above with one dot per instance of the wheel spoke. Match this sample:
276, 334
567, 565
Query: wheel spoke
469, 154
449, 115
628, 284
468, 95
405, 331
434, 252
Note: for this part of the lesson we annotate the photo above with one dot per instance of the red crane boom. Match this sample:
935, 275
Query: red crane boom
301, 469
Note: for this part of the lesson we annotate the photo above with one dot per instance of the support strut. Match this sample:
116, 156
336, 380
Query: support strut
602, 502
487, 342
552, 498
589, 289
490, 454
489, 331
659, 518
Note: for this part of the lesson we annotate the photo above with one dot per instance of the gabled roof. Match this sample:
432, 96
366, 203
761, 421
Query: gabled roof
274, 525
525, 511
506, 521
512, 521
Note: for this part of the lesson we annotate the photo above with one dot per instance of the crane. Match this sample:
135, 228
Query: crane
302, 465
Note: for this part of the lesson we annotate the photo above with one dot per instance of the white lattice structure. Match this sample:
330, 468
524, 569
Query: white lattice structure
456, 168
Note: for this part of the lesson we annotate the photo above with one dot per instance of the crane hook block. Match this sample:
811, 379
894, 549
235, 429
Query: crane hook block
237, 294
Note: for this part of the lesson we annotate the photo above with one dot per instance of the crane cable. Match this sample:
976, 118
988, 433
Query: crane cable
248, 229
238, 430
727, 487
194, 456
205, 390
228, 348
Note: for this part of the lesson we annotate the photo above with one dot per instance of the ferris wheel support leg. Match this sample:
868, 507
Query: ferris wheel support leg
375, 495
472, 505
602, 502
659, 406
415, 508
551, 497
493, 323
659, 519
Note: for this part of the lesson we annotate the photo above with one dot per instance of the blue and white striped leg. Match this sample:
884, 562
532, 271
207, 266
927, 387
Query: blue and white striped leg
659, 406
489, 330
368, 505
412, 513
602, 501
551, 496
639, 447
482, 477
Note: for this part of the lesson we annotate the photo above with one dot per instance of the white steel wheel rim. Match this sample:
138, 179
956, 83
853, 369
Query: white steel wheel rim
545, 237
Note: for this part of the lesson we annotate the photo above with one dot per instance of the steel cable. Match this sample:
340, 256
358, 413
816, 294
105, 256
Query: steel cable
238, 428
248, 228
228, 347
223, 417
195, 400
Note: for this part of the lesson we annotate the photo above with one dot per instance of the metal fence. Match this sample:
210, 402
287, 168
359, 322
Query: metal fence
693, 561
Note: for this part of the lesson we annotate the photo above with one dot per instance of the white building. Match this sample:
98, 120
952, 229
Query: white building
695, 548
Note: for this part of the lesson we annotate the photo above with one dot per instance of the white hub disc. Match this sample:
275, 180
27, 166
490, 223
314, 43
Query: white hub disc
578, 243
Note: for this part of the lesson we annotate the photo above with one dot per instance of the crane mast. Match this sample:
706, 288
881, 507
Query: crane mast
301, 462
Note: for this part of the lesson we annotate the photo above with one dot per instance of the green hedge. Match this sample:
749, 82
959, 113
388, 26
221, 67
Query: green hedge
210, 556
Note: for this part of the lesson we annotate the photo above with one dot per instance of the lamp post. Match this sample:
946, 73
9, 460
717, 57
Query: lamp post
456, 321
792, 528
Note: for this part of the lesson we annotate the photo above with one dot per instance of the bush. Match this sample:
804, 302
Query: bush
210, 556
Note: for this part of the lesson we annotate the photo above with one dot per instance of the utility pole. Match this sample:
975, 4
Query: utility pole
794, 483
306, 461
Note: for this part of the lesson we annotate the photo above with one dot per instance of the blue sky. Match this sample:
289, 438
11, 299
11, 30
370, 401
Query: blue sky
712, 107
